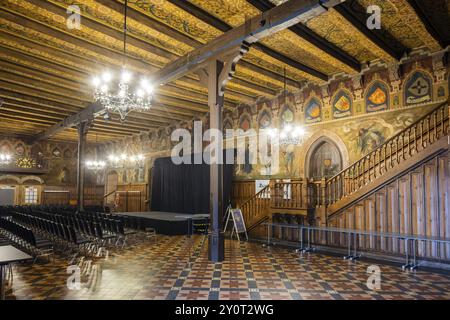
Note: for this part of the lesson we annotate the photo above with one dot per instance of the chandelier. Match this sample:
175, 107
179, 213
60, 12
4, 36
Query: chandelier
5, 158
95, 165
118, 92
126, 161
289, 134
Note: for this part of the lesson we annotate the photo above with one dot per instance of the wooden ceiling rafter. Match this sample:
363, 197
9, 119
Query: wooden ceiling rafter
427, 22
345, 12
59, 34
208, 18
310, 36
182, 37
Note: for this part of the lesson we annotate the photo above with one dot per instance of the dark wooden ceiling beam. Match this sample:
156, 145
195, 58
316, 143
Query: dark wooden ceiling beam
138, 123
344, 10
27, 114
267, 92
69, 73
224, 27
310, 36
108, 30
427, 22
149, 21
67, 36
113, 5
10, 76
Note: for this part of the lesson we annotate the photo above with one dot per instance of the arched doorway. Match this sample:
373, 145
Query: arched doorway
324, 159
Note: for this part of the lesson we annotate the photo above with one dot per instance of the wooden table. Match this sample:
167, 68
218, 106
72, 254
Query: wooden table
9, 254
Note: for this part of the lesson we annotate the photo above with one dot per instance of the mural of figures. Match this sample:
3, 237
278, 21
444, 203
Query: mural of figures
342, 105
313, 111
369, 139
418, 89
288, 156
64, 176
377, 97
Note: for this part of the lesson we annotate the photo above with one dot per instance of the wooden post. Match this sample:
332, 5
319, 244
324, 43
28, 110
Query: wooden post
82, 131
215, 101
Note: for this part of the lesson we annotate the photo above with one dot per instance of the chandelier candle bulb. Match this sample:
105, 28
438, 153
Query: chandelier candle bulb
106, 77
126, 76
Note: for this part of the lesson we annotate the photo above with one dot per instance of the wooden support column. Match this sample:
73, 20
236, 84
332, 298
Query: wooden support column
83, 128
216, 75
215, 102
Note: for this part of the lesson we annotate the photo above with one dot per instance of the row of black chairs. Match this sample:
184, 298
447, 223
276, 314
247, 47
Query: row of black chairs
65, 235
26, 238
82, 233
110, 226
128, 222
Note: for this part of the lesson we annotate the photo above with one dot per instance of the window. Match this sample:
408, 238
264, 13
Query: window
31, 195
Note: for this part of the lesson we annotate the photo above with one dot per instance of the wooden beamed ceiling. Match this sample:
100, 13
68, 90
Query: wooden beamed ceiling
46, 68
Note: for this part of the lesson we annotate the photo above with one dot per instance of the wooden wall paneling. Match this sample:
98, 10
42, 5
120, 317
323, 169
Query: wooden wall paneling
444, 208
431, 203
393, 213
359, 222
341, 225
370, 221
419, 215
381, 220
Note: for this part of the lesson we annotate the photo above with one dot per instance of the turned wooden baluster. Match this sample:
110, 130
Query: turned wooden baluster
435, 134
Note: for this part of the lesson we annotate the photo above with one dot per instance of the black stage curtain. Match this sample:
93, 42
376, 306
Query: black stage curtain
184, 188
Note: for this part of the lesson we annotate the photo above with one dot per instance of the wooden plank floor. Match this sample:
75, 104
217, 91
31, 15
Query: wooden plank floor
161, 271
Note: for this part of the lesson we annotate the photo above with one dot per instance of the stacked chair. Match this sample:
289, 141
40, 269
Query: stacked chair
87, 232
26, 238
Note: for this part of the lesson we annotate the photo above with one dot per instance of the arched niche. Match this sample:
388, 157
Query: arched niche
418, 87
315, 141
31, 180
8, 179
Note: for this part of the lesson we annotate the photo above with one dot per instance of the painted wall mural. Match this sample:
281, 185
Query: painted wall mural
363, 112
313, 111
342, 104
377, 97
418, 88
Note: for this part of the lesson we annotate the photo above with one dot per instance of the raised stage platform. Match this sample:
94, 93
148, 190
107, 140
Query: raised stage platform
169, 223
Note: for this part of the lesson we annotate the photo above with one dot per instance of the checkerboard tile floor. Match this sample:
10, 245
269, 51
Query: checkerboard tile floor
178, 268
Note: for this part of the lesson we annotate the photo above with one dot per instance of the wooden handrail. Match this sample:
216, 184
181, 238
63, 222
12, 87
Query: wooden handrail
391, 139
108, 194
397, 149
265, 189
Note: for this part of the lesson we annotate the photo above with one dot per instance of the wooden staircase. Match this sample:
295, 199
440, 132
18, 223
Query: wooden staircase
287, 197
401, 187
256, 209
